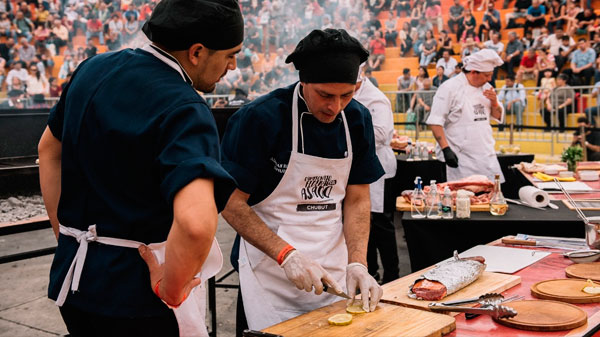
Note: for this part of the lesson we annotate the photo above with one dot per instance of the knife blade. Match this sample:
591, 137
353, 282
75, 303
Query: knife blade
330, 290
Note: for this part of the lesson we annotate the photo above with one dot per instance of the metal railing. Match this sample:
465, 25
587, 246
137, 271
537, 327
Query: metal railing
540, 119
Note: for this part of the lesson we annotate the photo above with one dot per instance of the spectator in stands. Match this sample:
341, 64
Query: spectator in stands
591, 142
377, 51
131, 28
512, 96
240, 98
520, 11
42, 15
554, 41
41, 34
557, 12
467, 23
428, 49
496, 45
433, 13
24, 8
528, 66
405, 39
424, 101
594, 111
470, 35
7, 50
37, 85
584, 20
373, 25
405, 83
440, 76
90, 49
545, 61
469, 47
455, 17
490, 21
538, 42
420, 36
582, 64
565, 50
25, 50
113, 41
444, 43
391, 30
115, 25
448, 63
252, 34
17, 75
400, 6
416, 14
16, 100
55, 89
68, 67
559, 103
513, 53
571, 16
457, 70
527, 39
6, 26
548, 84
23, 25
369, 75
95, 28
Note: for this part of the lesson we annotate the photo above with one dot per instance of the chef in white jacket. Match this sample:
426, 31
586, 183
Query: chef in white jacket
460, 119
382, 237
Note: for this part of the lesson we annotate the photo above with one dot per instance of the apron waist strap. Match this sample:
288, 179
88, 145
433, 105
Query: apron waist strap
83, 237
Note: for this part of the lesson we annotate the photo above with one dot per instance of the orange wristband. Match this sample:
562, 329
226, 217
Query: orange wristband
157, 292
283, 253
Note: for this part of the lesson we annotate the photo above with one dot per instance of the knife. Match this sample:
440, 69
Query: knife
330, 290
518, 202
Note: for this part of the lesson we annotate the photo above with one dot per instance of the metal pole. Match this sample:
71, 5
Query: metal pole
583, 141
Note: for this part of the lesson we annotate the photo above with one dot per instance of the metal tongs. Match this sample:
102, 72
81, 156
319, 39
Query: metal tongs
579, 212
484, 299
494, 310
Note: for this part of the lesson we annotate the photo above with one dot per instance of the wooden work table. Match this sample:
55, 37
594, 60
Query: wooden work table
373, 324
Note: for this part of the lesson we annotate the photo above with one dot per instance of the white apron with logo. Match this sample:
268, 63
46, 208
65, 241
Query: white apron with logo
190, 315
469, 133
305, 210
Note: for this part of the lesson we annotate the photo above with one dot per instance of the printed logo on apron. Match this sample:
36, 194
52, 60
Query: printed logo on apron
479, 113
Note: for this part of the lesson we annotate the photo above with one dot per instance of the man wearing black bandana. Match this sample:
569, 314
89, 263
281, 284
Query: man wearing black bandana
303, 157
130, 166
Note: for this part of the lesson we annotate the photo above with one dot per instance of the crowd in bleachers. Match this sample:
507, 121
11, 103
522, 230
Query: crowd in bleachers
43, 41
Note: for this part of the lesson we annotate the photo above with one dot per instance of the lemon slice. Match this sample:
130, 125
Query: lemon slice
591, 290
355, 309
340, 319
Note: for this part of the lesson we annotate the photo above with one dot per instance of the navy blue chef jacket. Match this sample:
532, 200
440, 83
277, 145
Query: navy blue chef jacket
258, 141
133, 133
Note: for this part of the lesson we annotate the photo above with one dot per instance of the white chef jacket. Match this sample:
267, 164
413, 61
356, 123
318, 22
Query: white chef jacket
465, 114
383, 124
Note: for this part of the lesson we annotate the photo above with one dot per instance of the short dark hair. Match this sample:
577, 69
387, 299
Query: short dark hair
405, 71
565, 38
563, 77
510, 77
581, 39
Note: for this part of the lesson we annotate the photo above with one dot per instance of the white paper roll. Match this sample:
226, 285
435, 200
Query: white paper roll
534, 196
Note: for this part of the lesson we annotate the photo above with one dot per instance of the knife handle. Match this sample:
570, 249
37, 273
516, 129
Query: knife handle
510, 240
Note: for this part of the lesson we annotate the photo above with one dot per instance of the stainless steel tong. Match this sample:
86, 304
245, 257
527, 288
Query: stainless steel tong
483, 299
494, 310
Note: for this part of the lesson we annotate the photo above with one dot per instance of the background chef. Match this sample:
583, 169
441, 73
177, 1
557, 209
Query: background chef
302, 204
382, 237
460, 119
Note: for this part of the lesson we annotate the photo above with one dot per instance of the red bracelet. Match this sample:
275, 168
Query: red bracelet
283, 253
157, 292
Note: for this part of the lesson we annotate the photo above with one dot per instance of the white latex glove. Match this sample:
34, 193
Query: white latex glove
306, 273
357, 275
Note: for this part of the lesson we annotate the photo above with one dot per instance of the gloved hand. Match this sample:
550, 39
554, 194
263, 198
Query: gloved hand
306, 273
450, 157
357, 274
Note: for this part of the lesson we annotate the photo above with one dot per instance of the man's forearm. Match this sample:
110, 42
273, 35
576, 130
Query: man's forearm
49, 152
357, 222
250, 226
439, 135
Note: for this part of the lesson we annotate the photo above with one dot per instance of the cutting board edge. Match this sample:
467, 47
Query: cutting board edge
575, 300
547, 327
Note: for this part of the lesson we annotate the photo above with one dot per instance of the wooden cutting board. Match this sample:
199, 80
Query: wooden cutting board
386, 320
396, 292
564, 290
544, 316
403, 206
584, 271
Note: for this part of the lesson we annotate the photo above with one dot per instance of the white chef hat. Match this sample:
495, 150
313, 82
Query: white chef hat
483, 61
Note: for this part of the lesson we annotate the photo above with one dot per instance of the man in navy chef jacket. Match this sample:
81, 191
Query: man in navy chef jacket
303, 157
131, 157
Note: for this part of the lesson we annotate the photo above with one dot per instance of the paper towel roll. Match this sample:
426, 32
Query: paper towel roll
534, 196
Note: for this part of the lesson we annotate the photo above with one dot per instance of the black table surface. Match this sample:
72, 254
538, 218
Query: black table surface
431, 241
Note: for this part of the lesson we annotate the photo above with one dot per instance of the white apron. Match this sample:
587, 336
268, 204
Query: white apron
190, 315
469, 135
305, 209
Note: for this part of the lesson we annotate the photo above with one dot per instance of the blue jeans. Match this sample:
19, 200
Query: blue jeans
100, 36
590, 112
516, 109
426, 59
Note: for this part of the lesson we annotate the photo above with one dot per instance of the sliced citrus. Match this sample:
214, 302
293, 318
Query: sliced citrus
591, 290
355, 309
340, 319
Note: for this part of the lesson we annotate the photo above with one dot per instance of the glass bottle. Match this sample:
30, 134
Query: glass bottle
433, 202
498, 205
417, 201
447, 204
409, 151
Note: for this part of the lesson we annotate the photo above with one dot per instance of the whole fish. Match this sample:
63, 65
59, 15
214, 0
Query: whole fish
447, 278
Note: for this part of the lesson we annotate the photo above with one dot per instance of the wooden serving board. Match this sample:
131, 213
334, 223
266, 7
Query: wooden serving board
564, 290
544, 316
403, 206
584, 271
584, 204
386, 320
396, 292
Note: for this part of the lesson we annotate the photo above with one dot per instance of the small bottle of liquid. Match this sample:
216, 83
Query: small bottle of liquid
463, 205
447, 204
433, 202
498, 205
409, 151
417, 151
417, 201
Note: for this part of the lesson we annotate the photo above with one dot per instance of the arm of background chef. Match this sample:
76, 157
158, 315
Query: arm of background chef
49, 151
357, 217
250, 226
190, 238
439, 135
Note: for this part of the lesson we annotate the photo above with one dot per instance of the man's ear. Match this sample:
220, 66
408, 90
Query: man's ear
196, 52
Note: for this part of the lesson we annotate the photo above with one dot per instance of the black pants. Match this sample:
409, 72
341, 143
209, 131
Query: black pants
534, 24
584, 77
80, 323
482, 28
241, 323
510, 65
548, 116
382, 238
